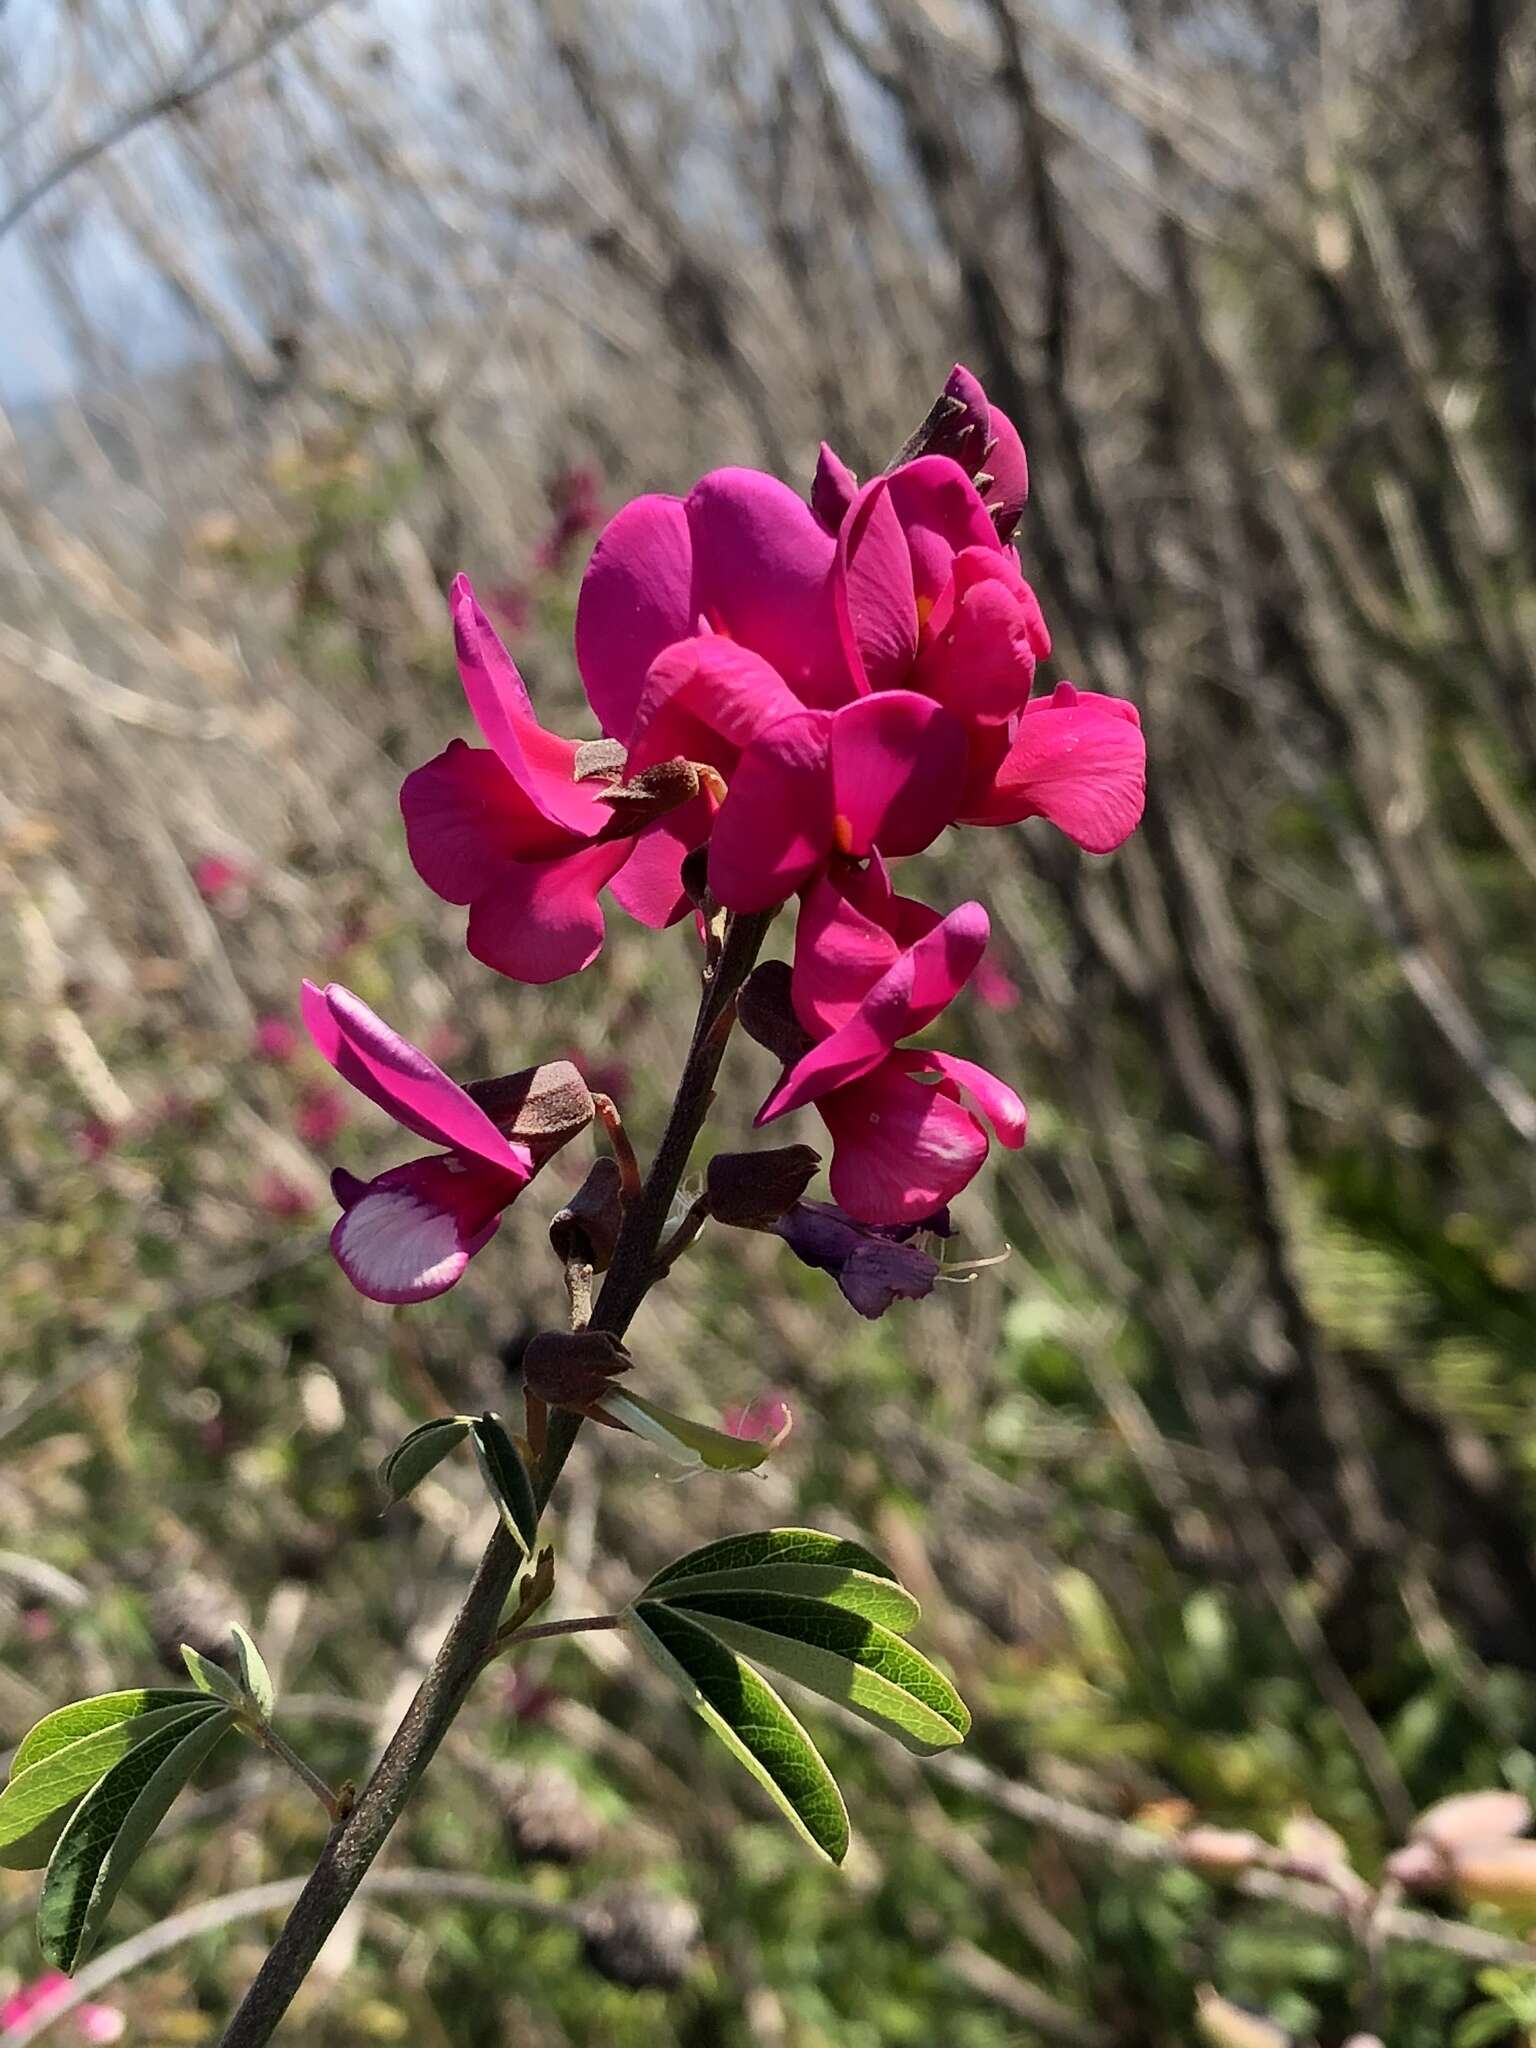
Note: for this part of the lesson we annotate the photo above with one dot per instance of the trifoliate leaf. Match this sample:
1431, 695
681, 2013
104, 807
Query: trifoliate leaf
506, 1477
410, 1461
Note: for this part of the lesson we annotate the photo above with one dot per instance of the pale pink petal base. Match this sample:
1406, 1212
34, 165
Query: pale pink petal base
408, 1235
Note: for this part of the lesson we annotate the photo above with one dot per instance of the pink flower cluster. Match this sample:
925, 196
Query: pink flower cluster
94, 2023
792, 693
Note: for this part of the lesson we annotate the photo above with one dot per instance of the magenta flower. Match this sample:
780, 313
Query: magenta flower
874, 1265
217, 879
766, 1418
993, 985
409, 1233
321, 1116
509, 831
276, 1039
281, 1197
872, 968
94, 2023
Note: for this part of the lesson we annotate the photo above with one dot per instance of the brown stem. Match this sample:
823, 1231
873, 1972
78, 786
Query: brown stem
357, 1840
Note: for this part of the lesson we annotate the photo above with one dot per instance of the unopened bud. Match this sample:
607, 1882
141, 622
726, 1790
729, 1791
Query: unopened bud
1226, 2025
642, 1940
1473, 1817
1497, 1874
833, 489
570, 1368
540, 1107
587, 1228
1220, 1852
752, 1190
767, 1013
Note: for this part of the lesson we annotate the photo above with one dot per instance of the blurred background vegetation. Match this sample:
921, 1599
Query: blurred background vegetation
1219, 1491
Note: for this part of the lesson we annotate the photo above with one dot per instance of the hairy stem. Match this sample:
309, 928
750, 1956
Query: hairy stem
357, 1840
273, 1743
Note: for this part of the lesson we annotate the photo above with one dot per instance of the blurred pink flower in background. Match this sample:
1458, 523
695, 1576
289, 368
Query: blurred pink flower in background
97, 2023
280, 1196
765, 1418
575, 499
993, 985
218, 878
96, 1138
276, 1039
36, 1624
323, 1113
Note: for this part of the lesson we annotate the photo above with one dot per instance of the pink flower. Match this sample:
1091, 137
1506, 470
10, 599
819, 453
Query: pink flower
217, 878
509, 831
96, 1138
321, 1116
276, 1039
872, 968
575, 499
767, 1418
409, 1233
994, 986
282, 1197
96, 2023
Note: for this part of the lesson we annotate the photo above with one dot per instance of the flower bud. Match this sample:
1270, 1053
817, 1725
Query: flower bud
571, 1368
752, 1190
1469, 1817
540, 1107
642, 1940
1226, 2025
766, 1013
1497, 1874
587, 1228
833, 489
1221, 1852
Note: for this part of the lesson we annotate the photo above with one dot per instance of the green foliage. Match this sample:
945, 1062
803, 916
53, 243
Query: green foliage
506, 1478
411, 1460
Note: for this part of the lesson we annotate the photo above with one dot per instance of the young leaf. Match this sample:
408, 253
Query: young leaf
111, 1826
507, 1480
750, 1719
255, 1679
772, 1547
84, 1717
410, 1462
880, 1600
690, 1443
211, 1678
60, 1777
842, 1656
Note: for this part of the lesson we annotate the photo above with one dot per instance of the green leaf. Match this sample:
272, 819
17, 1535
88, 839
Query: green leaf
83, 1717
880, 1600
32, 1850
750, 1719
773, 1547
690, 1443
62, 1776
410, 1462
111, 1826
255, 1679
211, 1678
842, 1656
506, 1476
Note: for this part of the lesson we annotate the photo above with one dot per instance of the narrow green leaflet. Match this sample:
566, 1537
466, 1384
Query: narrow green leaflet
211, 1678
61, 1776
111, 1826
506, 1477
844, 1657
32, 1850
68, 1724
772, 1547
410, 1462
690, 1443
880, 1600
255, 1679
750, 1719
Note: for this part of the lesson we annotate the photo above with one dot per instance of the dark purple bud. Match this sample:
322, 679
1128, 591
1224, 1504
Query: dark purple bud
767, 1013
833, 489
873, 1267
752, 1190
570, 1368
540, 1107
958, 425
587, 1228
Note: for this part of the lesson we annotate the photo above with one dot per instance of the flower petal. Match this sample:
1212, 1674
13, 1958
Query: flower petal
762, 574
898, 772
850, 932
408, 1234
706, 682
1008, 468
636, 598
941, 512
465, 819
872, 585
542, 919
539, 762
832, 488
985, 636
390, 1071
650, 884
1003, 1110
775, 826
901, 1148
907, 997
1079, 760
